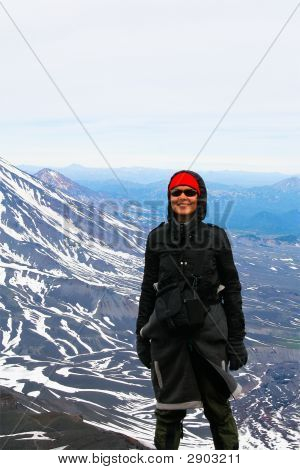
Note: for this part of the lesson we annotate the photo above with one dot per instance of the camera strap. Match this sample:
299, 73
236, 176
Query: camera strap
195, 293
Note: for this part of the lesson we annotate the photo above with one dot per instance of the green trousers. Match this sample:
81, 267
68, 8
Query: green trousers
217, 410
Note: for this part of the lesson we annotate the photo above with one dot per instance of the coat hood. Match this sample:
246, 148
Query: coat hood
202, 199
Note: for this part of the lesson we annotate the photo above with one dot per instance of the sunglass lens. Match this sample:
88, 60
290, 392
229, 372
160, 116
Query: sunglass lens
190, 192
176, 192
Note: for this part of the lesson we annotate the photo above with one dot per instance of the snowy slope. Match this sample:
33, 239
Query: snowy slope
69, 287
59, 269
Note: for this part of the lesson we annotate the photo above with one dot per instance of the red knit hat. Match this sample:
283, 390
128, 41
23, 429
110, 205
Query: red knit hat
184, 179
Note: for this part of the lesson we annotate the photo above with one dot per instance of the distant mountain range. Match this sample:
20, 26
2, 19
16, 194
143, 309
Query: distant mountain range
264, 210
93, 177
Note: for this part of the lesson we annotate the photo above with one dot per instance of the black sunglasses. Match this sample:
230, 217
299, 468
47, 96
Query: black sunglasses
187, 192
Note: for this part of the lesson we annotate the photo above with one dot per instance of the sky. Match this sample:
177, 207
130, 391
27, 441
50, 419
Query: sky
149, 81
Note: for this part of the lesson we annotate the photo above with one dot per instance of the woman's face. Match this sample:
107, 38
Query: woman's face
183, 206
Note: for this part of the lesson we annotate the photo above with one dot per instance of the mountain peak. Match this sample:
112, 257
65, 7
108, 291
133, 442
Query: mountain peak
288, 184
55, 179
58, 181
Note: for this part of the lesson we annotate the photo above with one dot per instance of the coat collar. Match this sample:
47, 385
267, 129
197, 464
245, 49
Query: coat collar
182, 234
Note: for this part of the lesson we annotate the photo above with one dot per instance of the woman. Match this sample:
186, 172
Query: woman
190, 346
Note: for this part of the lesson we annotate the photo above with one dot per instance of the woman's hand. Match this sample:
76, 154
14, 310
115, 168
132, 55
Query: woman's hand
143, 350
237, 354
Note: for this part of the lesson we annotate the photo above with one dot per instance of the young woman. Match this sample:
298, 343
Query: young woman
190, 325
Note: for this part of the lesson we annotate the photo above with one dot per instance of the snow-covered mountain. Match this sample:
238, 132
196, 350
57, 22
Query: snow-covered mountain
69, 287
54, 251
59, 182
109, 200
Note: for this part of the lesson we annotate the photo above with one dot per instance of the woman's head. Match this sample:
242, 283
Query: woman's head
187, 196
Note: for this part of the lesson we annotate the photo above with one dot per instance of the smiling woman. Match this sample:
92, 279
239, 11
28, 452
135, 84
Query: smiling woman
190, 327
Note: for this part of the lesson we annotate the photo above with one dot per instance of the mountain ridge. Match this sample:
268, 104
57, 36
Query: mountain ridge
276, 218
78, 172
21, 428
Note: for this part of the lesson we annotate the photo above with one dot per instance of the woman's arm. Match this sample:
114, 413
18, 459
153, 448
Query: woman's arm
232, 299
148, 294
147, 302
232, 293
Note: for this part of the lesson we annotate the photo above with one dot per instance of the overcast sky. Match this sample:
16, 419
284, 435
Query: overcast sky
150, 80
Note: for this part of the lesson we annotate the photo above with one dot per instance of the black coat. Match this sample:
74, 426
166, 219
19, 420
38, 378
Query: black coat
203, 253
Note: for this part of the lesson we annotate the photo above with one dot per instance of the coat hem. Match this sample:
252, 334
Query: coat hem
179, 406
237, 391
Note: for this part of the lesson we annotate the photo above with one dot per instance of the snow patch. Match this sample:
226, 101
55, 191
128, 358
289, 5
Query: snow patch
34, 284
2, 276
107, 319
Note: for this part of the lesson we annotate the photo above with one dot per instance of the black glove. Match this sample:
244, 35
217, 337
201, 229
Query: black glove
237, 354
143, 350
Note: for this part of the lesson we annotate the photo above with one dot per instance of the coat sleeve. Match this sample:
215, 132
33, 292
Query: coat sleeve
232, 298
148, 294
